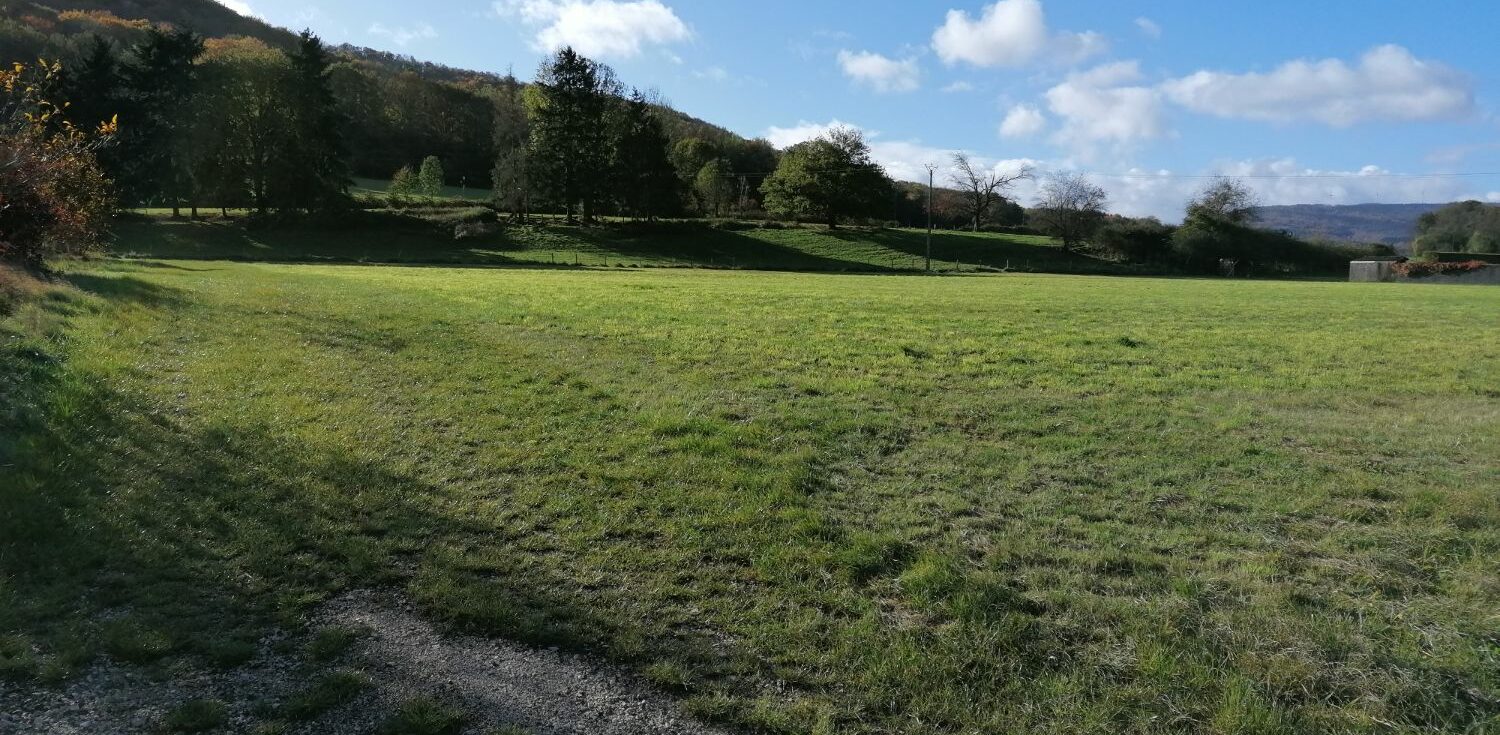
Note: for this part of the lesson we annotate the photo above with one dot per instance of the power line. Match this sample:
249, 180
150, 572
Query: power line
1148, 175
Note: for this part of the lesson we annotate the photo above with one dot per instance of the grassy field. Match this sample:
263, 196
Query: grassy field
382, 237
381, 186
802, 502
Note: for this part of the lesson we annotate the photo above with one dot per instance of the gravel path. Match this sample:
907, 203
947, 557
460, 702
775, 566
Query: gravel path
542, 691
495, 683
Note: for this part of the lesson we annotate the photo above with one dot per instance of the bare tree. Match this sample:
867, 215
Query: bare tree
1071, 208
983, 189
1225, 200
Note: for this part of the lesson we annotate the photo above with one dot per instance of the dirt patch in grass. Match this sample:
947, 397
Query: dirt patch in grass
402, 675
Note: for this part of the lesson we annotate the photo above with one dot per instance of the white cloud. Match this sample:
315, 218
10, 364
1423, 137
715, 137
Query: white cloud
1104, 106
1023, 121
959, 86
880, 73
903, 160
1387, 83
802, 132
239, 6
403, 35
713, 74
606, 28
1149, 27
1160, 193
1009, 33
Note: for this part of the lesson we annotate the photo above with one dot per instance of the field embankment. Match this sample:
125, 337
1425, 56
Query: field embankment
427, 236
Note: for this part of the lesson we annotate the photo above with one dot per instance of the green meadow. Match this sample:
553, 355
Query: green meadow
801, 502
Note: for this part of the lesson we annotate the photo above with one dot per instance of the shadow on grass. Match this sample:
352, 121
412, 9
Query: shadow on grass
133, 528
126, 289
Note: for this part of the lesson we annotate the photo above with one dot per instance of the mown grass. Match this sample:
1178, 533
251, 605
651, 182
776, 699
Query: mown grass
428, 238
802, 502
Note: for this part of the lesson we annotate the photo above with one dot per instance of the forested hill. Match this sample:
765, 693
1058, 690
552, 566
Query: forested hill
1392, 224
402, 109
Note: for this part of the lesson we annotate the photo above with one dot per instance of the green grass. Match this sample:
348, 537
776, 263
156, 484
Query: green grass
383, 237
329, 690
801, 502
422, 716
198, 715
381, 186
330, 643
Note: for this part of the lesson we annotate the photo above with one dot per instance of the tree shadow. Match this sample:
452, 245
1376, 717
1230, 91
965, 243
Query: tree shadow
124, 509
127, 289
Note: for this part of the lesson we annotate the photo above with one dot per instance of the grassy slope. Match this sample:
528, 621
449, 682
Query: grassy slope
853, 503
387, 238
380, 186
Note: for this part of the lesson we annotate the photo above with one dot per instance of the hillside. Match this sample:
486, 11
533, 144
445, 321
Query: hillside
204, 16
212, 20
1392, 224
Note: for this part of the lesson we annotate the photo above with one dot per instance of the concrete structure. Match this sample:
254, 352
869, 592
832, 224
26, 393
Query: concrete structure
1371, 271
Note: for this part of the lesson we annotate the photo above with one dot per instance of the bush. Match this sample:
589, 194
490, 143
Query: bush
1415, 269
730, 225
1203, 243
54, 199
1135, 240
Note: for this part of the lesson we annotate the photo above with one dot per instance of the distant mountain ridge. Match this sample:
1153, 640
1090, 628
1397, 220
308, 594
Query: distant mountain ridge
1392, 224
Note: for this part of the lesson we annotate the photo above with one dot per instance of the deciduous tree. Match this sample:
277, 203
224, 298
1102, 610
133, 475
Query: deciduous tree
829, 178
983, 190
1071, 208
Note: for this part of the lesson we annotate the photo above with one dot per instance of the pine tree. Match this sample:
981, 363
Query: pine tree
646, 183
570, 151
159, 81
430, 177
315, 172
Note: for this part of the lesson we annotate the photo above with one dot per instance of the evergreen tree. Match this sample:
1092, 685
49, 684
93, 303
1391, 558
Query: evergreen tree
645, 181
570, 150
315, 171
430, 177
512, 131
93, 85
159, 82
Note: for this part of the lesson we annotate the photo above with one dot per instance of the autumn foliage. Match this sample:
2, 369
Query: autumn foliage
54, 199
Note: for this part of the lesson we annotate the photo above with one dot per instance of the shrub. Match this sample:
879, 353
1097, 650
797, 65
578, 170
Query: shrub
1136, 240
730, 225
54, 199
1415, 269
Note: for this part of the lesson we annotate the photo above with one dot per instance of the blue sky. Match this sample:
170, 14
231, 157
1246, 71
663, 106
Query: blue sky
1326, 102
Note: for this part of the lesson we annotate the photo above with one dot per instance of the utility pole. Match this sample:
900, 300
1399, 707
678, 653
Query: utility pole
930, 169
